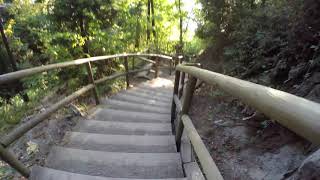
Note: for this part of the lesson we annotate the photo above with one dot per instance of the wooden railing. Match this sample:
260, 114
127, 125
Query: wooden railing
297, 114
16, 133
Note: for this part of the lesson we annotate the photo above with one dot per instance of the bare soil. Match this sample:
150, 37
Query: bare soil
245, 148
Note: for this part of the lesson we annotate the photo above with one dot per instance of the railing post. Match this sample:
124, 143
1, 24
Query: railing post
9, 158
170, 67
126, 65
133, 63
175, 92
183, 75
156, 74
91, 80
185, 108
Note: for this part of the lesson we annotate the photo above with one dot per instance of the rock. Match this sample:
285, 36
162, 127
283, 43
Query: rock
314, 94
309, 169
297, 71
280, 72
308, 85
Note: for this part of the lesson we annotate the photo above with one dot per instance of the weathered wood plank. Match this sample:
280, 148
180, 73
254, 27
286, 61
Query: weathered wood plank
4, 78
185, 108
210, 169
297, 114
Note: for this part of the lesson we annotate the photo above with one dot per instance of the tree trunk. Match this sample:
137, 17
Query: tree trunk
6, 44
84, 34
18, 86
153, 21
181, 30
148, 22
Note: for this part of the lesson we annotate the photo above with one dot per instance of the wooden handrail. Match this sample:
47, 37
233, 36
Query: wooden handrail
147, 60
297, 114
4, 78
210, 169
8, 157
21, 130
186, 103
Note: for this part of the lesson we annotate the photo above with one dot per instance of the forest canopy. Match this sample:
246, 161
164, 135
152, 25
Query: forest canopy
44, 32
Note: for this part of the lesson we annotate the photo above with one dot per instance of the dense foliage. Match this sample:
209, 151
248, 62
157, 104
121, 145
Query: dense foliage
50, 31
274, 42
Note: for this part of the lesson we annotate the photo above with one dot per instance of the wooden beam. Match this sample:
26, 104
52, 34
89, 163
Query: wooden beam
210, 169
9, 158
22, 129
156, 68
175, 92
185, 108
182, 81
91, 80
177, 102
147, 60
126, 66
297, 114
4, 78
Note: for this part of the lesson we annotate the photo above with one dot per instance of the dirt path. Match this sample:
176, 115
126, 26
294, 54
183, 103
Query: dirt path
256, 148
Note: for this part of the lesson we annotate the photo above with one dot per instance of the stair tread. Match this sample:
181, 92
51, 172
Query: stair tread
125, 105
151, 91
123, 128
42, 173
141, 100
116, 164
149, 96
157, 89
108, 114
120, 143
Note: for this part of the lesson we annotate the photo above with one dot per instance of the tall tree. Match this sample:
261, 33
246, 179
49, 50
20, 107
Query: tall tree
148, 20
6, 44
83, 16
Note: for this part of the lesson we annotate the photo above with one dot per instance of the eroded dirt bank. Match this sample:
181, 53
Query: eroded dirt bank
245, 146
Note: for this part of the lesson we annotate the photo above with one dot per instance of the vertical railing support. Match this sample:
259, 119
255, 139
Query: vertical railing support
170, 67
156, 68
175, 92
126, 66
9, 158
185, 108
182, 78
133, 63
91, 80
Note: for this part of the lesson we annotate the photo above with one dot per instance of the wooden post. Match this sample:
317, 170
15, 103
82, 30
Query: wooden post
9, 158
91, 80
133, 63
185, 108
6, 45
170, 67
175, 92
183, 75
156, 74
126, 65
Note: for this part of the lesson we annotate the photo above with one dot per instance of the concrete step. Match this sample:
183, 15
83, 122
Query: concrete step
124, 105
115, 164
104, 114
148, 86
151, 92
121, 143
141, 100
123, 128
148, 96
42, 173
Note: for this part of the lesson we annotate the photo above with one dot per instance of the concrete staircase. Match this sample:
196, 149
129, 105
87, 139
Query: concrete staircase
127, 137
